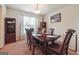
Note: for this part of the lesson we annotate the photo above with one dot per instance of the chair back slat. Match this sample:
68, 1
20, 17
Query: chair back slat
27, 33
30, 35
51, 31
64, 49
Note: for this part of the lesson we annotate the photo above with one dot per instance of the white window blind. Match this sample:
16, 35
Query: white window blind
29, 22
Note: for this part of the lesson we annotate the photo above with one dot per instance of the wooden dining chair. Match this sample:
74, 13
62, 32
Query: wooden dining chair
62, 49
32, 43
27, 32
32, 29
51, 31
29, 39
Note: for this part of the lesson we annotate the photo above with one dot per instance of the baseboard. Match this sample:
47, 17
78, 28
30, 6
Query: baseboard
72, 50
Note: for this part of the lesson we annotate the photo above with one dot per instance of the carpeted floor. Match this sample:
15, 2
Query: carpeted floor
18, 48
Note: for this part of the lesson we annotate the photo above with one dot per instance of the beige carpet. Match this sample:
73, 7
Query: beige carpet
19, 48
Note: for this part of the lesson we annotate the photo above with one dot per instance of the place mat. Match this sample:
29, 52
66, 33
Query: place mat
51, 36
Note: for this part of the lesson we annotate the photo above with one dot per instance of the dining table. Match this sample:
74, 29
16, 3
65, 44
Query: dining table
44, 39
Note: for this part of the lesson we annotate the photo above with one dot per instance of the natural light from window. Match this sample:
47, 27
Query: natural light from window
29, 22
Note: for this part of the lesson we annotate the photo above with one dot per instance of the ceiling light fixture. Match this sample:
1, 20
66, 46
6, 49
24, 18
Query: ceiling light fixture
37, 11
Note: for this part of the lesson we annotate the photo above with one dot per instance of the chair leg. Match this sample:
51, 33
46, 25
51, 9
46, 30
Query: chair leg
66, 53
27, 41
33, 51
30, 44
30, 48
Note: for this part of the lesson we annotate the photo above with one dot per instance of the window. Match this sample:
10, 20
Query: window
29, 22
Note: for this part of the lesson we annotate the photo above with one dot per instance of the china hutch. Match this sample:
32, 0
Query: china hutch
10, 30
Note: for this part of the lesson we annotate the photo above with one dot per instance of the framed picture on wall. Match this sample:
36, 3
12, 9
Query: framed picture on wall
55, 18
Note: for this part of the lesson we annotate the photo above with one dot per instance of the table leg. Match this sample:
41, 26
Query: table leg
45, 48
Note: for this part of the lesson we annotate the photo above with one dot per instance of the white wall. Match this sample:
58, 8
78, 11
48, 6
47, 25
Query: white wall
69, 19
8, 12
18, 15
1, 36
2, 15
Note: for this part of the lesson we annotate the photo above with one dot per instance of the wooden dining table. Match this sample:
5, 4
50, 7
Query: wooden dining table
44, 39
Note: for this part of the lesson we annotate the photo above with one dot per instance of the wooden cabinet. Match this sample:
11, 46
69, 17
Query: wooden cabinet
43, 24
10, 30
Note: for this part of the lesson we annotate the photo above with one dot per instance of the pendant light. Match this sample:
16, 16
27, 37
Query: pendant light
37, 11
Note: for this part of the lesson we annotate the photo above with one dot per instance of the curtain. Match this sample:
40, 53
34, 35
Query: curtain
26, 22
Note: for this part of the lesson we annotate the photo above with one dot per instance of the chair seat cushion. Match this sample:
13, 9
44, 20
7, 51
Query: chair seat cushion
56, 48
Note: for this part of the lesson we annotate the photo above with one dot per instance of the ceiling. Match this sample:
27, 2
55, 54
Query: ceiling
44, 8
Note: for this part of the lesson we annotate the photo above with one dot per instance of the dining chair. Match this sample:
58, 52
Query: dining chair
27, 32
32, 29
51, 31
29, 39
62, 49
34, 44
